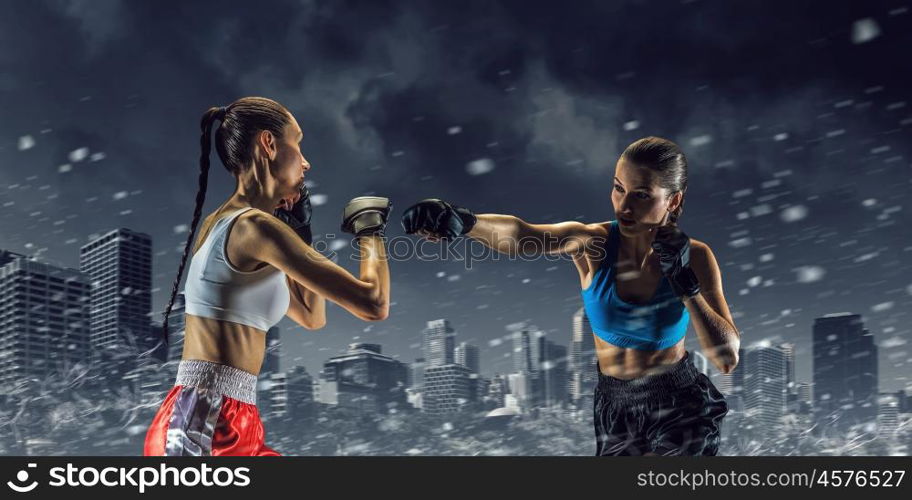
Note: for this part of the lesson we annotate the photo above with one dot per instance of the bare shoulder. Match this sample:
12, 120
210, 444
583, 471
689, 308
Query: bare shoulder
255, 225
704, 265
700, 253
593, 229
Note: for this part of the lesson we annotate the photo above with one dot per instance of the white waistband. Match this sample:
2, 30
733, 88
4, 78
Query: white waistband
226, 380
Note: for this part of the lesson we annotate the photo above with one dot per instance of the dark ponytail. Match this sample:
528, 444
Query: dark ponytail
205, 147
240, 121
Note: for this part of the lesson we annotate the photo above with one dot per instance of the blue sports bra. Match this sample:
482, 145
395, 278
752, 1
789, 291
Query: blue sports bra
655, 325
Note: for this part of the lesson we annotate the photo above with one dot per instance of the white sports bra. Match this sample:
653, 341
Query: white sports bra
216, 289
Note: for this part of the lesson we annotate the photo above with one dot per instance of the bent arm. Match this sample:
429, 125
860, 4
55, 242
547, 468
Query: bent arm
513, 236
716, 331
307, 308
367, 297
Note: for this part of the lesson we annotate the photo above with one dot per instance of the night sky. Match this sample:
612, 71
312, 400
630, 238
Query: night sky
795, 117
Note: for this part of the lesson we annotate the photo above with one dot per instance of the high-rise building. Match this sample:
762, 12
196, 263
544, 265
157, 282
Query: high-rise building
119, 265
438, 343
272, 396
497, 389
526, 355
764, 386
583, 367
299, 388
273, 351
416, 373
887, 414
845, 372
554, 375
803, 401
788, 349
447, 388
364, 378
44, 319
467, 355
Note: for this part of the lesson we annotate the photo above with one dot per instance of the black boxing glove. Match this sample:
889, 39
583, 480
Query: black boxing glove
439, 218
298, 218
366, 215
673, 249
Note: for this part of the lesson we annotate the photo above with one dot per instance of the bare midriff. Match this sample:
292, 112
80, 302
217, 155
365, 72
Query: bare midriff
225, 342
621, 362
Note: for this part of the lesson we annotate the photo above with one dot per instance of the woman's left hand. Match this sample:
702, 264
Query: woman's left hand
673, 248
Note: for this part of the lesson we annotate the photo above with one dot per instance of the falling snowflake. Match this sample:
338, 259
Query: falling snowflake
631, 125
883, 306
26, 142
794, 213
865, 30
454, 130
318, 199
78, 155
700, 140
810, 274
480, 167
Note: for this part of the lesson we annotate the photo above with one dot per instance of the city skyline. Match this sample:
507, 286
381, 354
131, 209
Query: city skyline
803, 366
797, 136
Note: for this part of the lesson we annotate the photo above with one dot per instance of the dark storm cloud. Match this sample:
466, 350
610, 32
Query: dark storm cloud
397, 98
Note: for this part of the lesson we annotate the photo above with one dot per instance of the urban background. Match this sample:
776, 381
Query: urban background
795, 120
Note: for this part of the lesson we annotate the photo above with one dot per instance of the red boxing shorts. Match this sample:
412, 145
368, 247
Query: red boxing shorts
210, 411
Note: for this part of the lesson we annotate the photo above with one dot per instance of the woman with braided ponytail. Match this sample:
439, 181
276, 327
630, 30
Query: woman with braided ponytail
643, 282
253, 265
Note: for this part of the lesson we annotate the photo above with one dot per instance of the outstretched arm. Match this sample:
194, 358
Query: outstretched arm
435, 219
511, 235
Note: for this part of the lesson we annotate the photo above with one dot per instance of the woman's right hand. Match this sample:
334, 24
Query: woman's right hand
366, 216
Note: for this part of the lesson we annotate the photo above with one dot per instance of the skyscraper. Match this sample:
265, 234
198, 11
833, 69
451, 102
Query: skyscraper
764, 386
44, 318
789, 350
364, 378
272, 396
273, 351
447, 388
467, 355
845, 372
583, 374
438, 343
119, 265
887, 414
299, 390
553, 372
526, 354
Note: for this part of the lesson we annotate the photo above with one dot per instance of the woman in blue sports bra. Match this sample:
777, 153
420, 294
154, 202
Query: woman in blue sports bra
643, 282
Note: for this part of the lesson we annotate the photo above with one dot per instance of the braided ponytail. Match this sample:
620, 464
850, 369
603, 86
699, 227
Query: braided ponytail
205, 146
